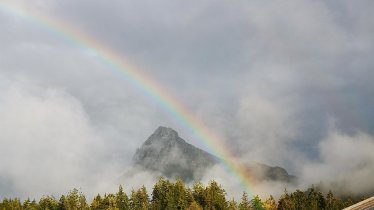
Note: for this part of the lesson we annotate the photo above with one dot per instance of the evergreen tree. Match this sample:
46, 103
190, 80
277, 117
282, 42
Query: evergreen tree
232, 205
160, 194
332, 203
198, 193
122, 201
48, 203
194, 206
34, 205
244, 203
75, 200
257, 204
96, 203
315, 199
270, 204
348, 202
178, 196
61, 203
30, 205
189, 196
285, 202
299, 201
109, 202
139, 199
215, 196
167, 195
11, 204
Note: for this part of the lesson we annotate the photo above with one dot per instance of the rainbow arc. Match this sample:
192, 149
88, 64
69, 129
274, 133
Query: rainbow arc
139, 79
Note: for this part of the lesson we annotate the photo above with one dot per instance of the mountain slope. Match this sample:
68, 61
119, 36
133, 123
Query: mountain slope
165, 152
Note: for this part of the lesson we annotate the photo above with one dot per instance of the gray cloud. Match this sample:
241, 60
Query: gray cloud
345, 163
48, 144
265, 76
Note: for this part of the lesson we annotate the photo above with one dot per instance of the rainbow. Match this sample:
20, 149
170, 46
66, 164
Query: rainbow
137, 78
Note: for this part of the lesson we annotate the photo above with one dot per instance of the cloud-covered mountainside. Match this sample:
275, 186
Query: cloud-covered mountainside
167, 153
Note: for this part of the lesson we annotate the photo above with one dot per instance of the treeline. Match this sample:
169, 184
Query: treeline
176, 195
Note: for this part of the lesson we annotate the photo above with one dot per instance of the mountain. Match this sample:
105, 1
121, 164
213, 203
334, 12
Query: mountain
165, 152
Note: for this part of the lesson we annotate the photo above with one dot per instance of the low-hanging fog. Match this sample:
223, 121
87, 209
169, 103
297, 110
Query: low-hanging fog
285, 83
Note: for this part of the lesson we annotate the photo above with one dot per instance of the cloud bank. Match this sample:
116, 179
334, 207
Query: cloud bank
346, 163
48, 144
265, 76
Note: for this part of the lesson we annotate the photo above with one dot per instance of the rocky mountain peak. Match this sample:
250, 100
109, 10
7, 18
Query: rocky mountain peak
165, 132
162, 135
167, 153
162, 138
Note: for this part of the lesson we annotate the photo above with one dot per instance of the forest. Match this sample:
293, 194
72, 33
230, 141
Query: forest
177, 195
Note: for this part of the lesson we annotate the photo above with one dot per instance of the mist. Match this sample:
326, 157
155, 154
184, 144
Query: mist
345, 164
282, 83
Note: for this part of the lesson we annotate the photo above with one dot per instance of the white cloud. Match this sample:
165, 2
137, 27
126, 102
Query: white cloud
261, 75
346, 163
267, 129
235, 188
47, 143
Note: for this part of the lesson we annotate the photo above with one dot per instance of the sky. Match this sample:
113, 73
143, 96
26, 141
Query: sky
285, 83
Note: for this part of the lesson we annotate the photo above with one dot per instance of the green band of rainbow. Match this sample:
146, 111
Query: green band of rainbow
138, 78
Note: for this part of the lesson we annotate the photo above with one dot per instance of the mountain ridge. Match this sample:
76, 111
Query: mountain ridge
167, 153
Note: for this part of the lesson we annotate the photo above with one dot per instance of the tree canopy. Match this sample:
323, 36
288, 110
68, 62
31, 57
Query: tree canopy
167, 195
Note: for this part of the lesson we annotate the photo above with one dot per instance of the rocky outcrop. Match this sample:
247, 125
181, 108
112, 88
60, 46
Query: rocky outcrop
165, 152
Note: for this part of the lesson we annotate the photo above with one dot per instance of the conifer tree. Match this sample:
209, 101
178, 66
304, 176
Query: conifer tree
96, 203
75, 200
245, 204
34, 205
348, 202
232, 205
215, 196
61, 203
30, 205
198, 193
285, 202
122, 200
139, 199
167, 195
194, 206
110, 202
299, 200
160, 194
48, 203
11, 204
178, 196
257, 204
270, 204
315, 199
332, 203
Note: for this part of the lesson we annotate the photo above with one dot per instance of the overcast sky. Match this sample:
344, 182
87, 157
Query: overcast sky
282, 82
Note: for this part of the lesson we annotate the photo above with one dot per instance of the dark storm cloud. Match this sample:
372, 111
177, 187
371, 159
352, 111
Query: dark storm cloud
267, 76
